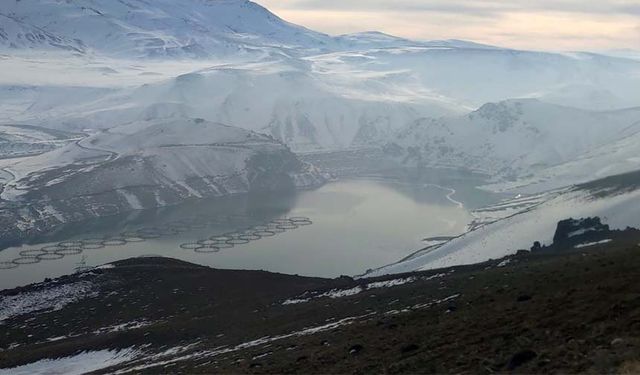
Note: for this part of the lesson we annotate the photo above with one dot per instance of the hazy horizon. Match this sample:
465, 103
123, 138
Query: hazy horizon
565, 25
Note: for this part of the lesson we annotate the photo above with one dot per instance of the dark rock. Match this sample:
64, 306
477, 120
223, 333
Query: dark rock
524, 298
345, 278
571, 231
409, 348
521, 358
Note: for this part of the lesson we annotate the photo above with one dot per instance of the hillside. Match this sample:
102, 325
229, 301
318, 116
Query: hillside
570, 311
141, 165
139, 29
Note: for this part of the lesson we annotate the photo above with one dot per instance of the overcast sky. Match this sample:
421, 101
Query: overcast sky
534, 24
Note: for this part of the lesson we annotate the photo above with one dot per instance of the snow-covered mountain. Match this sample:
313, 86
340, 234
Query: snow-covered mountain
166, 28
369, 40
233, 62
327, 101
518, 139
159, 28
287, 99
16, 34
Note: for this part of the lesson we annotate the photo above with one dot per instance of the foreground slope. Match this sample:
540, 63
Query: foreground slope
568, 312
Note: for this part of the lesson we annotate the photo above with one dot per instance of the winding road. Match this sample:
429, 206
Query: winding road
449, 196
111, 156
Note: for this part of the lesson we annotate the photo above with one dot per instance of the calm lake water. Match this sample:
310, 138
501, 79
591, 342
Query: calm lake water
357, 224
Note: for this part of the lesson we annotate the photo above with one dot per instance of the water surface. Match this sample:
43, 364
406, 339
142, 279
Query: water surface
357, 224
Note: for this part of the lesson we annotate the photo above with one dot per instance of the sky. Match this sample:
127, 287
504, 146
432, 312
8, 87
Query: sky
568, 25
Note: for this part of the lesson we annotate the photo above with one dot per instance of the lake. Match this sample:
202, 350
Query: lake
353, 225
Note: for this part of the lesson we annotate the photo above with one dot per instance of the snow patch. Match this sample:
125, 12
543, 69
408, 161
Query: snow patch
82, 363
391, 283
339, 293
124, 327
49, 299
132, 199
589, 244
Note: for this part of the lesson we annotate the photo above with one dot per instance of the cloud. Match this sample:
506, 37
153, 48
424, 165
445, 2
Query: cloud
527, 24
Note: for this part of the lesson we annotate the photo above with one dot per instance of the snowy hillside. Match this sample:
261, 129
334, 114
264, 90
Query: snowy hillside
143, 165
165, 28
139, 28
286, 98
17, 141
16, 34
521, 138
517, 224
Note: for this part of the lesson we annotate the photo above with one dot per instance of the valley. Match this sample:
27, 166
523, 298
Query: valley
343, 213
146, 112
201, 186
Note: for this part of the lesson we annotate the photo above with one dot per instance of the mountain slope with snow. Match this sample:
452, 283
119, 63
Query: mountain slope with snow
162, 28
517, 139
17, 34
234, 62
142, 165
327, 101
286, 98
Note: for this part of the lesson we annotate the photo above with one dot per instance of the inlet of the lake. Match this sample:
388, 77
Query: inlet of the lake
357, 224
